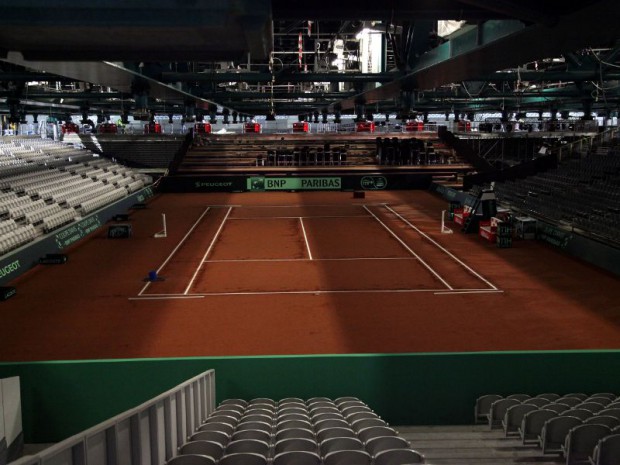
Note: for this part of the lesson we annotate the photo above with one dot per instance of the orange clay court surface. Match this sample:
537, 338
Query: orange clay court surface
305, 273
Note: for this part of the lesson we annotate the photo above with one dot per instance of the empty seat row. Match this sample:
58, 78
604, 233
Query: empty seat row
59, 219
17, 237
292, 431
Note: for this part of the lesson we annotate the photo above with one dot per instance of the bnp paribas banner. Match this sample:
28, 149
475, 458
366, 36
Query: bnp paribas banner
261, 183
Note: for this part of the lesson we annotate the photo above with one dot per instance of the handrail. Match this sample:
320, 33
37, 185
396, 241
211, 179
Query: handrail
149, 433
591, 141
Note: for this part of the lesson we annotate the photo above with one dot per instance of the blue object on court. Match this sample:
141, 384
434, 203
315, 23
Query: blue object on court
152, 275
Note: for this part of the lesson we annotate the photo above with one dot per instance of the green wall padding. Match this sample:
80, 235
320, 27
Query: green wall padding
62, 398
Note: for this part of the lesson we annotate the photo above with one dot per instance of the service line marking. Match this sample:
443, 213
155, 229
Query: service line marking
450, 254
166, 297
426, 265
204, 257
176, 248
294, 217
303, 230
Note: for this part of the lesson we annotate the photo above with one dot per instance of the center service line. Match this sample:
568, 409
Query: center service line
177, 247
426, 265
204, 257
303, 229
456, 259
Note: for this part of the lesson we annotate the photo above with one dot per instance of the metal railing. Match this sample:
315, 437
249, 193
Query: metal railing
585, 144
149, 434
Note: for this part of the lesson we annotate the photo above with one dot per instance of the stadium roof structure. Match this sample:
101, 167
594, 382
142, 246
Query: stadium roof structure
266, 57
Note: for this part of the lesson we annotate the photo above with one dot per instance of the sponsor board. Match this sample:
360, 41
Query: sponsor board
77, 231
261, 183
373, 183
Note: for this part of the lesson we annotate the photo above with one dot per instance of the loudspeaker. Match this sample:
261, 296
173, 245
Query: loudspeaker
53, 259
138, 206
7, 292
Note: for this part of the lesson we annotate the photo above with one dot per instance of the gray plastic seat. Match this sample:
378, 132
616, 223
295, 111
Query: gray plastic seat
359, 425
209, 448
251, 434
483, 407
513, 417
334, 444
288, 424
247, 446
593, 407
295, 433
353, 409
538, 402
335, 423
557, 408
577, 412
581, 440
614, 412
361, 416
260, 425
606, 420
519, 397
381, 443
532, 424
550, 396
296, 444
293, 416
554, 433
341, 400
498, 410
367, 434
191, 459
398, 457
215, 436
297, 458
347, 457
243, 459
335, 433
217, 426
570, 401
607, 451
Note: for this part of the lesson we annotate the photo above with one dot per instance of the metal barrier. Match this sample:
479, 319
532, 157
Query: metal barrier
149, 434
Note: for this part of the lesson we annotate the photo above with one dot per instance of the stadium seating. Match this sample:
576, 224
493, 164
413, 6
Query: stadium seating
47, 184
317, 431
573, 429
582, 194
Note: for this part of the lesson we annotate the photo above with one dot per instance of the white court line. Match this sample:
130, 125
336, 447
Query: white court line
341, 205
295, 217
303, 229
459, 261
473, 291
176, 248
244, 293
426, 265
204, 257
248, 260
165, 297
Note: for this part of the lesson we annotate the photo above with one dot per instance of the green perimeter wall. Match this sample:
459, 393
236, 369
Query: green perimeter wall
61, 398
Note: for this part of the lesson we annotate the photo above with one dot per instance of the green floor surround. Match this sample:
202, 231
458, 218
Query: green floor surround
61, 398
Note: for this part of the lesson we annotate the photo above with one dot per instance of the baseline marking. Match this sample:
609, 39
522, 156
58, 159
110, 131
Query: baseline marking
204, 257
471, 291
426, 265
234, 260
458, 260
176, 248
246, 293
303, 229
